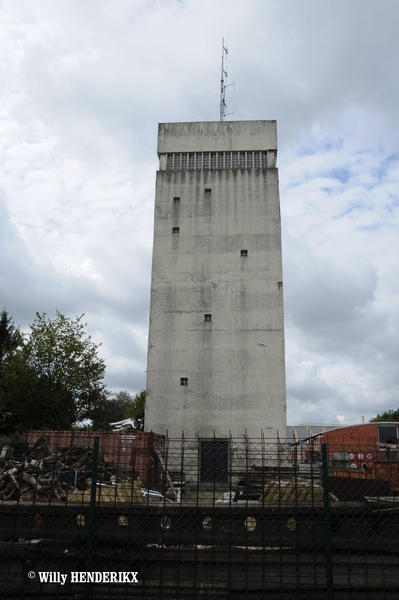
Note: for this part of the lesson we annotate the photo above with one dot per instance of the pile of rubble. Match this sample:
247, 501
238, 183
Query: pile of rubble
33, 472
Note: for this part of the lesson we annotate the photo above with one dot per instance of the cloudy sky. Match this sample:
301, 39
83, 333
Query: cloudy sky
84, 85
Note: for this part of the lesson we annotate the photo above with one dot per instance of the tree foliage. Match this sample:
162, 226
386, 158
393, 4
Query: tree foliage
53, 378
9, 335
116, 407
110, 408
10, 340
387, 416
136, 410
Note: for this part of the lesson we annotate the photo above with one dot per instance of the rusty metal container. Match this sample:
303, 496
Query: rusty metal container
133, 450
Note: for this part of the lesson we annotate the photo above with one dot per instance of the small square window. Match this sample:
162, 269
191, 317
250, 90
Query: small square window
176, 230
176, 200
244, 252
208, 190
207, 318
183, 380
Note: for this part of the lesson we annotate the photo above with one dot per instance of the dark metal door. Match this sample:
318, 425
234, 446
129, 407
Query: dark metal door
214, 460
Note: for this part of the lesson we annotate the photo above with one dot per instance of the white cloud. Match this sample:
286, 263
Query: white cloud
85, 86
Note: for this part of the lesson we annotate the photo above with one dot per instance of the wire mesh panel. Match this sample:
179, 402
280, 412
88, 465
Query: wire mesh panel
137, 515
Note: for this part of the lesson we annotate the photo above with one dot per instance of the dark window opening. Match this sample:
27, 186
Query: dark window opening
183, 380
207, 318
176, 230
244, 252
176, 200
386, 433
208, 190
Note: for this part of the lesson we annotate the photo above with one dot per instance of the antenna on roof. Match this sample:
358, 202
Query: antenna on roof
223, 85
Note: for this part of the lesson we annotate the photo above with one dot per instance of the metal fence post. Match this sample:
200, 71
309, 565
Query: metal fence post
92, 508
327, 522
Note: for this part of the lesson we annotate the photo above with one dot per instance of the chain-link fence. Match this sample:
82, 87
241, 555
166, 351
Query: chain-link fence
137, 515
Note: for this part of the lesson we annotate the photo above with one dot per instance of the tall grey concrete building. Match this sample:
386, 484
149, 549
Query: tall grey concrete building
216, 342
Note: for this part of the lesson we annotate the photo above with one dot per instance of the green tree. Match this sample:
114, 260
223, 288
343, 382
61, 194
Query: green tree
116, 407
111, 408
387, 416
54, 378
10, 336
136, 410
10, 340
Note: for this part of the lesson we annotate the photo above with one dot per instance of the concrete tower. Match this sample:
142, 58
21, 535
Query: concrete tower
216, 342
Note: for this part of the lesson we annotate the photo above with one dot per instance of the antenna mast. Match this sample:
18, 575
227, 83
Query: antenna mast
223, 86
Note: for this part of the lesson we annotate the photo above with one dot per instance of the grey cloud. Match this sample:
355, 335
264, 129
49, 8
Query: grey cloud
27, 288
331, 305
86, 86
